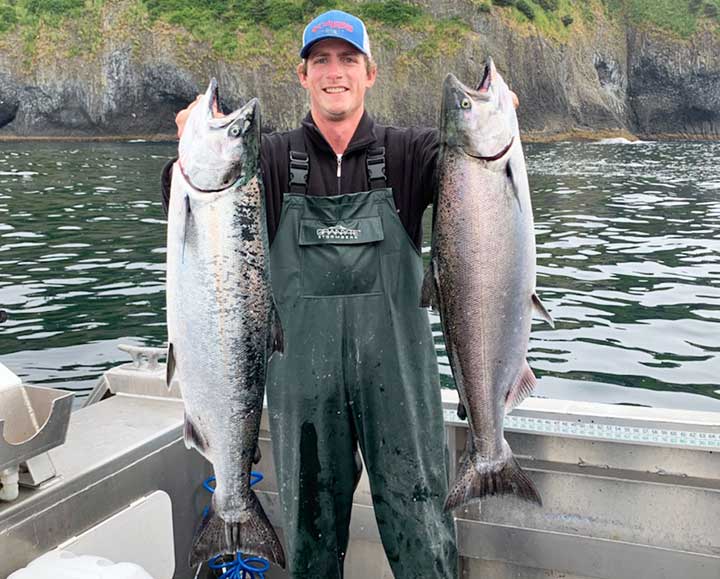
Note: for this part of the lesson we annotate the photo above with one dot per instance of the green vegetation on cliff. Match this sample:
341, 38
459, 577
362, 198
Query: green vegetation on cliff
552, 17
681, 17
235, 26
247, 30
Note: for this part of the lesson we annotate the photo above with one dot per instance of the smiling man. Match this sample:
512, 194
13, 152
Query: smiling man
345, 198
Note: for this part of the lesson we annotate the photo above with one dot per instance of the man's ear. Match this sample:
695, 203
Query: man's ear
302, 77
371, 76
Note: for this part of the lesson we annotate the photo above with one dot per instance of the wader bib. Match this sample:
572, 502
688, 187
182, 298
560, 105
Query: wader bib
359, 368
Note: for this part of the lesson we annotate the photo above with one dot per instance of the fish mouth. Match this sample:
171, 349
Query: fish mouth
212, 96
483, 92
486, 82
453, 87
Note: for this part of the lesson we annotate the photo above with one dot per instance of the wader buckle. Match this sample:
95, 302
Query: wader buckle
299, 168
376, 164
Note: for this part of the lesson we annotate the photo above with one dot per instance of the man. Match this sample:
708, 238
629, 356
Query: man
345, 199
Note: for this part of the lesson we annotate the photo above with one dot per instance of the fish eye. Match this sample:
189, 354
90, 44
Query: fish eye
234, 130
465, 103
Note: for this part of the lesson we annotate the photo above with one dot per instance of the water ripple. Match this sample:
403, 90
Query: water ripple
628, 241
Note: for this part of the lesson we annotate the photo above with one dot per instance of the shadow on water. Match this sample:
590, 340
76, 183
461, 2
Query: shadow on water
628, 264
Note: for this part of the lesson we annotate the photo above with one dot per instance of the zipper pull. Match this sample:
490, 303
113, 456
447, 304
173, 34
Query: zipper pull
339, 162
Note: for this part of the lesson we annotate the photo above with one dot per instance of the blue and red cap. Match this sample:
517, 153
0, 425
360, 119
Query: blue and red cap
336, 24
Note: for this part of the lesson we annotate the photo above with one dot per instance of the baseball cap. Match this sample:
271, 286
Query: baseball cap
336, 24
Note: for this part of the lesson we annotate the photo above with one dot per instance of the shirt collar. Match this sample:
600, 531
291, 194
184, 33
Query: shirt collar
364, 134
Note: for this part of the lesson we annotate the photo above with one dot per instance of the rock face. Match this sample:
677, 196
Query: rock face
610, 77
674, 87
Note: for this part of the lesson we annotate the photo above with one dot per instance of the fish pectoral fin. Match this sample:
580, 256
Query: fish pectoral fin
428, 296
461, 411
276, 337
193, 438
522, 388
170, 365
542, 312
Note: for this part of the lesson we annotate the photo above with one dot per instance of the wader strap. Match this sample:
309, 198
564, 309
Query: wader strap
375, 161
299, 164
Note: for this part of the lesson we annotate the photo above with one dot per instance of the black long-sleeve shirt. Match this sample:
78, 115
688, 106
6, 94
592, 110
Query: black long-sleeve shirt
410, 165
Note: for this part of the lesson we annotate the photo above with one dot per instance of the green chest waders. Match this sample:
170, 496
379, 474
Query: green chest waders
359, 368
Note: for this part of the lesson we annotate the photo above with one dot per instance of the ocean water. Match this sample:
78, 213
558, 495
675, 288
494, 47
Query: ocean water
628, 242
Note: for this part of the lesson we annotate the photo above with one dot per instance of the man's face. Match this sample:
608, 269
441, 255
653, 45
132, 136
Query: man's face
336, 79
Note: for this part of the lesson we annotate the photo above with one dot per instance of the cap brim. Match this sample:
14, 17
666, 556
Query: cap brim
306, 49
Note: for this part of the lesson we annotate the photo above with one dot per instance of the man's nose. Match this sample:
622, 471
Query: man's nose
334, 69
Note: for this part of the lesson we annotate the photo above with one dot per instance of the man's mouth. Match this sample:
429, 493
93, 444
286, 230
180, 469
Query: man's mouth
334, 89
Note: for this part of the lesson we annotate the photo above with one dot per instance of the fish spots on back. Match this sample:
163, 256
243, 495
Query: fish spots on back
245, 222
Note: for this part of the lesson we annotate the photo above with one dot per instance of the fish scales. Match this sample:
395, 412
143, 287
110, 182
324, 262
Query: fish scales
221, 317
483, 270
225, 296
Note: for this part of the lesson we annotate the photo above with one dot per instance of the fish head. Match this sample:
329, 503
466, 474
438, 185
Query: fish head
482, 122
215, 153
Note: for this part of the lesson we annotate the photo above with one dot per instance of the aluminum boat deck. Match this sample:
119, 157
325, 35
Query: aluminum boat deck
628, 492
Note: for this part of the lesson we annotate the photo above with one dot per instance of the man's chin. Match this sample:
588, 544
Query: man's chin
337, 115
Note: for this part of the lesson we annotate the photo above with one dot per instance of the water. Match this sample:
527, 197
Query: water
628, 265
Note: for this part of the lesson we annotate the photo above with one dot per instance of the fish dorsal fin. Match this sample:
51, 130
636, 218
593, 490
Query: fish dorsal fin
542, 312
429, 296
170, 365
522, 388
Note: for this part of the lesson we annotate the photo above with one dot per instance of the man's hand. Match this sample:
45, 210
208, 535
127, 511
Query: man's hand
182, 117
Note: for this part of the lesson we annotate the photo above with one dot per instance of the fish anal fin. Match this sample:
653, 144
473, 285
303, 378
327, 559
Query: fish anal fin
542, 312
170, 365
428, 296
521, 389
193, 437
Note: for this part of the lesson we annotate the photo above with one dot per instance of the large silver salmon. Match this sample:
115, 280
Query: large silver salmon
482, 277
220, 317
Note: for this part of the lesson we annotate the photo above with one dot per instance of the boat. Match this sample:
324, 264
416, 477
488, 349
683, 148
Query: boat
628, 492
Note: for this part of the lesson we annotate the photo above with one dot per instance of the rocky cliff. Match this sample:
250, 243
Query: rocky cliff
121, 72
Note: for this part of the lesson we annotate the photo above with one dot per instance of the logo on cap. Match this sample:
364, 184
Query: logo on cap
332, 24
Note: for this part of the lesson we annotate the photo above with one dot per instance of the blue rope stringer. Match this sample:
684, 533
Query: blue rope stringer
240, 567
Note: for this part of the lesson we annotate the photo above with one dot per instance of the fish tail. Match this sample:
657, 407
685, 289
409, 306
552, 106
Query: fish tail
477, 478
254, 536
